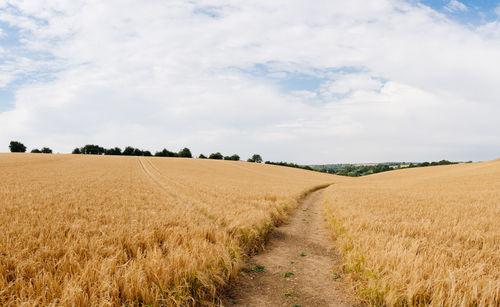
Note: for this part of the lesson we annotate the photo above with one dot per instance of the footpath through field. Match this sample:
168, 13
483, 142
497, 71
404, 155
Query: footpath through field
298, 267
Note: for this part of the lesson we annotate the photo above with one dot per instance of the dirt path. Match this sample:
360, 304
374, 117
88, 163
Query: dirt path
303, 248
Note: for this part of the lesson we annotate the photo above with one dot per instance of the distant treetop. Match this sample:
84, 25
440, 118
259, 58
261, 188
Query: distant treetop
255, 158
216, 156
46, 150
185, 153
17, 147
234, 157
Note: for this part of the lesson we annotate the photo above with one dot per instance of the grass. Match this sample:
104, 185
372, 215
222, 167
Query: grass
259, 268
303, 254
103, 230
291, 293
425, 236
287, 274
256, 268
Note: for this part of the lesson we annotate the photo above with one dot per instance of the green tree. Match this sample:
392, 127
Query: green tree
185, 153
36, 151
165, 153
255, 158
445, 162
216, 156
113, 151
128, 151
234, 157
17, 147
138, 152
46, 150
76, 151
91, 149
202, 156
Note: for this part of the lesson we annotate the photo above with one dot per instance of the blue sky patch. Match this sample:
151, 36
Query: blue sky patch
290, 77
10, 36
209, 10
477, 11
6, 99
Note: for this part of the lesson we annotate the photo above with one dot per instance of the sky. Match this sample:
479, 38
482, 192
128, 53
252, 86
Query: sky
300, 81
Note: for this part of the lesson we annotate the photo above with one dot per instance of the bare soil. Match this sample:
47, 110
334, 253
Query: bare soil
300, 266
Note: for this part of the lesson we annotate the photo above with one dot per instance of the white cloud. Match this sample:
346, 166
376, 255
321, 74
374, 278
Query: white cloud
349, 84
456, 6
398, 81
497, 10
305, 94
490, 30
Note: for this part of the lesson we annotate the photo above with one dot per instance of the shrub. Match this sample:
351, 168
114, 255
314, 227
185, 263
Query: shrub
185, 153
128, 151
113, 151
17, 147
255, 158
216, 156
92, 150
138, 152
234, 157
165, 153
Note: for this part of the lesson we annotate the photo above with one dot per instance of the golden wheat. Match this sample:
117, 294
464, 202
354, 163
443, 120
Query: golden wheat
421, 236
102, 230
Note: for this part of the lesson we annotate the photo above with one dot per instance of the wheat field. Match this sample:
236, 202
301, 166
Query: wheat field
80, 230
426, 236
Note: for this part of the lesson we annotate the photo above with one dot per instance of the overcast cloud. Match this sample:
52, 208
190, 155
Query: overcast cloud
337, 81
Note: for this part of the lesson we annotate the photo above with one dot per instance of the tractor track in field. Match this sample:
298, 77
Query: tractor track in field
299, 266
154, 179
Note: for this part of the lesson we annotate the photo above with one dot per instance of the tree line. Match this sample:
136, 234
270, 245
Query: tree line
424, 164
15, 146
289, 164
218, 156
351, 170
362, 170
92, 149
183, 153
